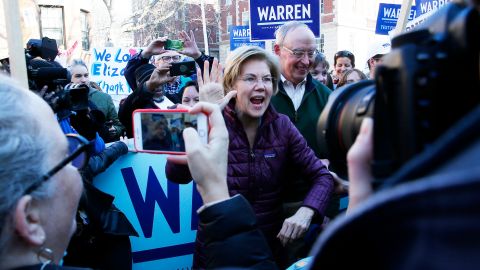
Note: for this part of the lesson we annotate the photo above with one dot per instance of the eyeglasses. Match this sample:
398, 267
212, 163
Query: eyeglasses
253, 80
301, 53
173, 58
78, 156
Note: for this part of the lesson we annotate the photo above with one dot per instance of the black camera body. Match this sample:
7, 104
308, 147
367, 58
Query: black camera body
426, 83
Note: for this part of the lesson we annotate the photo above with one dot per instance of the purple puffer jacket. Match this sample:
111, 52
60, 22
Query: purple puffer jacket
259, 173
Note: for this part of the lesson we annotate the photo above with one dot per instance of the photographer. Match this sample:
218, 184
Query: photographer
102, 101
153, 85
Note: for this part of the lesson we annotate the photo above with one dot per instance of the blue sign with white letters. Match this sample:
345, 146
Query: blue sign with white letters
240, 36
427, 6
267, 16
388, 16
162, 212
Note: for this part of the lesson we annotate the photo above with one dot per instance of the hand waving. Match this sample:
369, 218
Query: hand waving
155, 47
210, 85
190, 47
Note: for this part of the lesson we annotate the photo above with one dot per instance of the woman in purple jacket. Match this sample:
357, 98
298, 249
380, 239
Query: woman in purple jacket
263, 145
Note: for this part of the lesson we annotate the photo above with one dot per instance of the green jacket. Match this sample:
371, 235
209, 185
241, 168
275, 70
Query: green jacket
306, 117
104, 103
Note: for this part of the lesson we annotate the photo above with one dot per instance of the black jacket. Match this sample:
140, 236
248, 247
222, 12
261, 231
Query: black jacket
427, 215
232, 239
102, 237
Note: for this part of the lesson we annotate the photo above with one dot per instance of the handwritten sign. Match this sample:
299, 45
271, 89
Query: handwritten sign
108, 68
162, 212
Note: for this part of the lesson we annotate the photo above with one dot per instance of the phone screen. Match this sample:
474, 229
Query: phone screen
163, 131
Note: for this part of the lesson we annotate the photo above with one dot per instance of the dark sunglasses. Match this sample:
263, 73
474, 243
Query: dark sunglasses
78, 156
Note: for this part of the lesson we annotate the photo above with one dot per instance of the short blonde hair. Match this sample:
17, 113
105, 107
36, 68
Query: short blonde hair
243, 54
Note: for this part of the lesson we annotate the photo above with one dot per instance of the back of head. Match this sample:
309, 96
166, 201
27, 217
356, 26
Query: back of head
22, 153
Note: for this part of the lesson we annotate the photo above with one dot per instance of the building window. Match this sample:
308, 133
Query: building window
52, 23
246, 18
85, 30
322, 6
229, 23
228, 2
322, 43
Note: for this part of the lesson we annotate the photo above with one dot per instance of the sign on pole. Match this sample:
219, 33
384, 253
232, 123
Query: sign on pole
267, 16
162, 212
18, 66
240, 36
429, 6
388, 15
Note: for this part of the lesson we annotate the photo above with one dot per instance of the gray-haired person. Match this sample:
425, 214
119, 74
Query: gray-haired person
39, 186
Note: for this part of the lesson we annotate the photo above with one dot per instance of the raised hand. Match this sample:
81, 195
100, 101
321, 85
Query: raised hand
207, 162
160, 76
210, 85
190, 47
155, 47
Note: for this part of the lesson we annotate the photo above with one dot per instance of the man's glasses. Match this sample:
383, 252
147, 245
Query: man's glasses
78, 156
301, 53
173, 58
252, 80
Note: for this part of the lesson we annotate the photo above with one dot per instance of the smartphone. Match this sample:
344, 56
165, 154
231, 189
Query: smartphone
160, 131
174, 44
186, 68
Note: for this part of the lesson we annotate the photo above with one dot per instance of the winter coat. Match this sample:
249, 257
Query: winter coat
259, 173
104, 103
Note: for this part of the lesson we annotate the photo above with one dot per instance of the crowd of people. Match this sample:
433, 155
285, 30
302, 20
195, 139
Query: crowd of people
266, 188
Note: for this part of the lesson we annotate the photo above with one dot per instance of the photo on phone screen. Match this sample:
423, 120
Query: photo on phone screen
163, 131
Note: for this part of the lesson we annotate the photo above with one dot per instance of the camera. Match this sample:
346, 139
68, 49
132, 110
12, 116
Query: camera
41, 68
426, 83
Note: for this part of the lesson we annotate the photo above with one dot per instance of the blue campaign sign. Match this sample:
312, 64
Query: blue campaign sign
388, 16
162, 212
240, 36
267, 16
427, 6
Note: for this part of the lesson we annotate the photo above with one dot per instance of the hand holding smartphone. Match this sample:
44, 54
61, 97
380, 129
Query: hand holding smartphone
186, 68
161, 131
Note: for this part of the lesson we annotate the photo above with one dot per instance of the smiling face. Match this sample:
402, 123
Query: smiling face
319, 73
293, 68
254, 87
343, 64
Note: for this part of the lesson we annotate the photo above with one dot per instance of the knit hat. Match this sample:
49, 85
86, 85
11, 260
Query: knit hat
143, 73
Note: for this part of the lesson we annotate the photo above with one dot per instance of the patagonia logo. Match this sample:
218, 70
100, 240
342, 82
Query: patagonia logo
270, 155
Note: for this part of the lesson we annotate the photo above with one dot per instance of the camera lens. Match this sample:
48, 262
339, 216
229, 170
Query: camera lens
340, 121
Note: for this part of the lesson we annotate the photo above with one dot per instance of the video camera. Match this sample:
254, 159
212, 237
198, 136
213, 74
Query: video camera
43, 71
426, 83
41, 68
